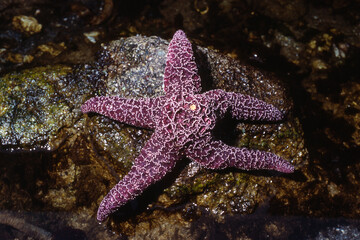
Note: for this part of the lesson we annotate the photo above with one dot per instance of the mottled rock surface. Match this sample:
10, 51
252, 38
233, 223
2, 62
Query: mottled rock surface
35, 105
39, 108
51, 225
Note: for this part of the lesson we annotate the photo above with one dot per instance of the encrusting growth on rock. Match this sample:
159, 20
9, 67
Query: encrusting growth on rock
182, 120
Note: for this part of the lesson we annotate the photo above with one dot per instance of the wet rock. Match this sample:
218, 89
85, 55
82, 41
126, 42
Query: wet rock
318, 52
38, 106
262, 226
187, 14
51, 48
34, 33
318, 40
342, 106
26, 24
339, 232
19, 58
284, 10
135, 66
51, 225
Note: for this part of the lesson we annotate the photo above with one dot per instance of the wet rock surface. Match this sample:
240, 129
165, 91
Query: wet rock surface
312, 46
51, 225
36, 105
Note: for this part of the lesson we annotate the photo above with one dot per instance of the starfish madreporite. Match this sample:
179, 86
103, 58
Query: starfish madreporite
182, 120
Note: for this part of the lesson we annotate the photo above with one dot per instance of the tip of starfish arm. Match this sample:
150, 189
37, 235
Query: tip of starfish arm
84, 108
87, 106
279, 115
179, 34
286, 167
276, 114
101, 218
102, 213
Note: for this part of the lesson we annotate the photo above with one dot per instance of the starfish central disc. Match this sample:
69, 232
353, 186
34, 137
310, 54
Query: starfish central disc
192, 107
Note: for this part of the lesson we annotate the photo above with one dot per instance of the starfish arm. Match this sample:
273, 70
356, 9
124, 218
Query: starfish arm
217, 155
250, 108
155, 160
180, 70
137, 112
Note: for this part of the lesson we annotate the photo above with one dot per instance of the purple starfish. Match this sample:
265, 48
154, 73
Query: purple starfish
183, 120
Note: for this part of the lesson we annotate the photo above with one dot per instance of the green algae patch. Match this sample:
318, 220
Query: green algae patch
35, 105
199, 185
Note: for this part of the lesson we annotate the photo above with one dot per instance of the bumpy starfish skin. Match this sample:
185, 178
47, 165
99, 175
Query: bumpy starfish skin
182, 120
